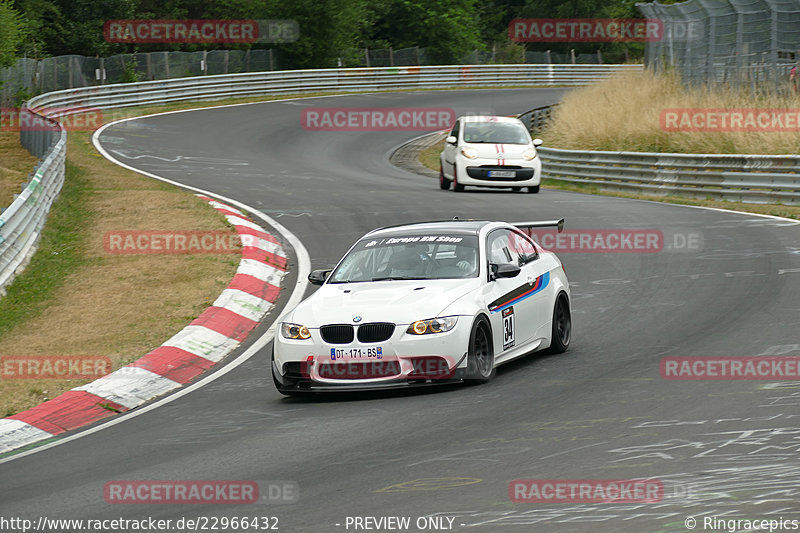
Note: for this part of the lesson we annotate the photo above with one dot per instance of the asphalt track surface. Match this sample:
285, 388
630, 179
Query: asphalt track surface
727, 449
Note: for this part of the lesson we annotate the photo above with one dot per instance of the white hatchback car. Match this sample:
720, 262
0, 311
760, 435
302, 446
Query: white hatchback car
426, 303
490, 151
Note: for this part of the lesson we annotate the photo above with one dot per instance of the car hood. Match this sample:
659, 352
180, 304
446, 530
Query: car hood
400, 302
490, 150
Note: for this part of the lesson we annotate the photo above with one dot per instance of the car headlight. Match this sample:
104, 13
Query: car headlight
529, 154
294, 331
469, 153
432, 325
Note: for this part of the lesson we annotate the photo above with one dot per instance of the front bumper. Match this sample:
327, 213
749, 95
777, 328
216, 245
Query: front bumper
404, 360
478, 172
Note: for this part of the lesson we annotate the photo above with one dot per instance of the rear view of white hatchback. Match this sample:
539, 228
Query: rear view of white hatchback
490, 151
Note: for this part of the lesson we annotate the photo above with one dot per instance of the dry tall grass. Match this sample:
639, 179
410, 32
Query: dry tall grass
623, 113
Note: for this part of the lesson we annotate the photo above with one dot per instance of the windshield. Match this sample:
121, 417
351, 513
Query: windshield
496, 132
429, 256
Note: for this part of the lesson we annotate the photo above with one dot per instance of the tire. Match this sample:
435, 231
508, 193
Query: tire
561, 333
534, 189
456, 186
480, 353
444, 183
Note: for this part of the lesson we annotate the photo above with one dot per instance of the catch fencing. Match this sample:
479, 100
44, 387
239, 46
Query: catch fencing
749, 43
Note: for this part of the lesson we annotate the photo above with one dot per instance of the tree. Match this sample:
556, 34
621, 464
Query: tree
449, 29
12, 33
326, 28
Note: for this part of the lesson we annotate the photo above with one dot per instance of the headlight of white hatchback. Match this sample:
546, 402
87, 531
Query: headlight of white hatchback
469, 153
529, 154
432, 325
294, 331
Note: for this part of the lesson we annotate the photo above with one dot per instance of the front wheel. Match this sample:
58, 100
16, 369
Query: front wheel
562, 325
444, 183
480, 354
534, 189
456, 186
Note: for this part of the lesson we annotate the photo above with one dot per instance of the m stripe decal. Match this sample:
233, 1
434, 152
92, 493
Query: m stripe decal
520, 293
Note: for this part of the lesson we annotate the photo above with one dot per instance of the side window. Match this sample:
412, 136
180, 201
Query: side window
524, 247
501, 247
454, 132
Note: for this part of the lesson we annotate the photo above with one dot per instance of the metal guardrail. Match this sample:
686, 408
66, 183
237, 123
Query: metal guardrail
323, 80
21, 222
537, 118
757, 179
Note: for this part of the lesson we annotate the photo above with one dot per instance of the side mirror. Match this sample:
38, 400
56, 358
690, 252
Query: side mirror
451, 139
318, 277
506, 270
538, 142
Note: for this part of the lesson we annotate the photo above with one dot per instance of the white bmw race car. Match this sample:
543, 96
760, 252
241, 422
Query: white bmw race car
490, 151
425, 303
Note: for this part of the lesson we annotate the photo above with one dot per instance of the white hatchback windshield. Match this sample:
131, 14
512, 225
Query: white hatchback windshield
496, 132
429, 256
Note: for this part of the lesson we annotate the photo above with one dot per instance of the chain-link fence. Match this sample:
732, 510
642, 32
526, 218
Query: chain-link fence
753, 43
387, 57
30, 77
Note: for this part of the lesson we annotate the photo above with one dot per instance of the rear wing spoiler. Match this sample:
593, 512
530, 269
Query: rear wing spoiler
541, 224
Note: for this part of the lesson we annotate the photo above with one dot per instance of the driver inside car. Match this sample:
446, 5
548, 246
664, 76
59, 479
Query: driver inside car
466, 260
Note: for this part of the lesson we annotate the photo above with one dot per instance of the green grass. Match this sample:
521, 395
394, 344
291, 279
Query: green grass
59, 254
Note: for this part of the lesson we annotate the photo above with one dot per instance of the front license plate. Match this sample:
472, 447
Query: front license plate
372, 352
502, 174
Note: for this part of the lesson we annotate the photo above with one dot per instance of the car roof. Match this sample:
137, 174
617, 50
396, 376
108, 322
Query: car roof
489, 118
468, 227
